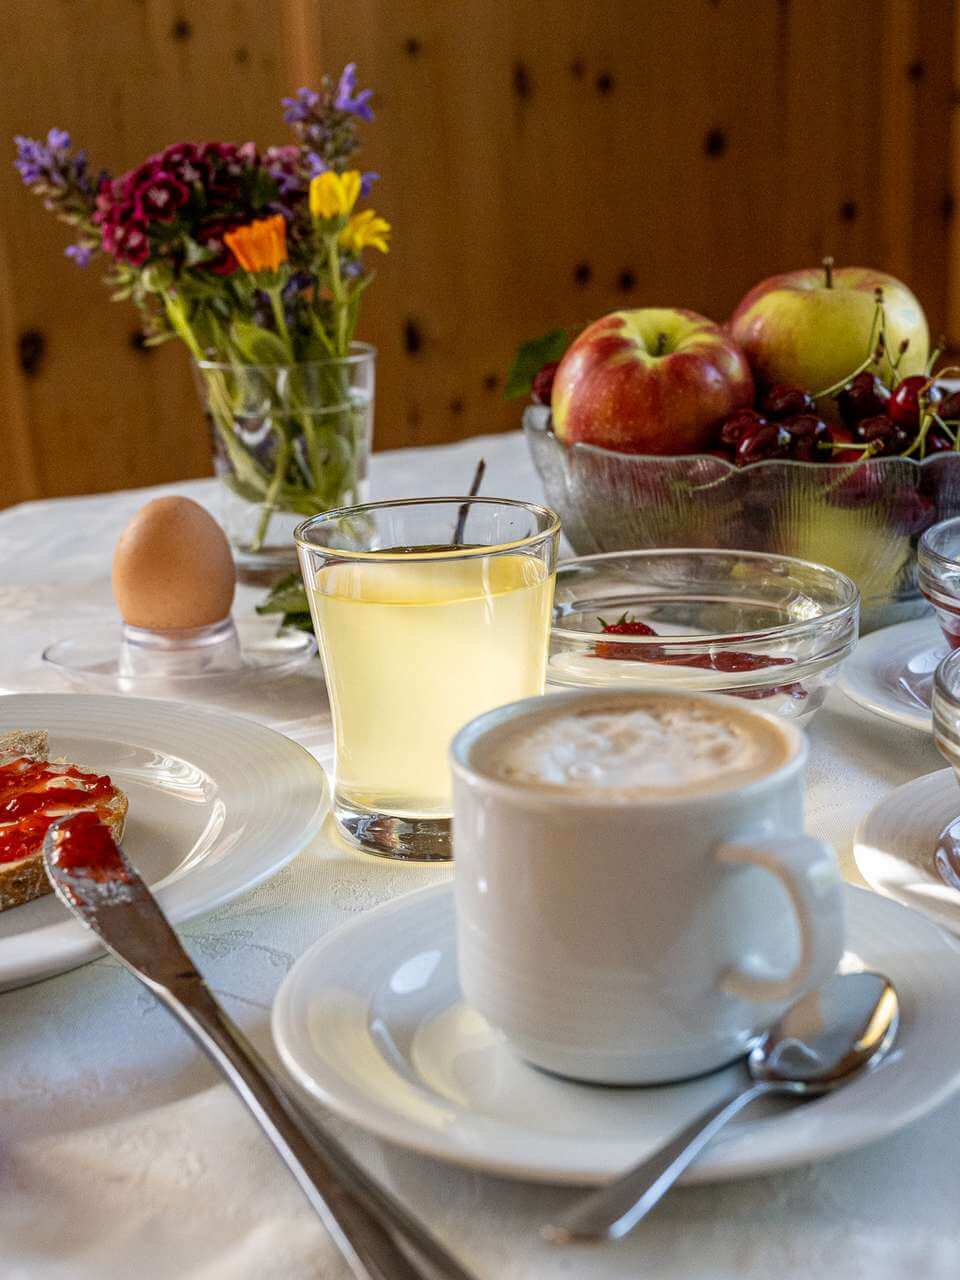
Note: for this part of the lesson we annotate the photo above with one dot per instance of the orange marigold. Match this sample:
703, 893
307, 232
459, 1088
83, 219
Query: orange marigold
260, 245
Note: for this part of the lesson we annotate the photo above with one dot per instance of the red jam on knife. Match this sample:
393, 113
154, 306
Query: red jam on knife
84, 846
30, 789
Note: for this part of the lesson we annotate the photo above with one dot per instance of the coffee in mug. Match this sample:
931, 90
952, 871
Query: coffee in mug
635, 894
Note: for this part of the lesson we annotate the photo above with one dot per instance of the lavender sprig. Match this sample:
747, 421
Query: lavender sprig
63, 181
324, 121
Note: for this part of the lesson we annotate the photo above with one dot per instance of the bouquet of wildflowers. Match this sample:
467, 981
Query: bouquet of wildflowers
257, 262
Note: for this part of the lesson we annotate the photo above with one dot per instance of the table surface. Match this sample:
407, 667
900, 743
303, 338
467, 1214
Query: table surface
122, 1153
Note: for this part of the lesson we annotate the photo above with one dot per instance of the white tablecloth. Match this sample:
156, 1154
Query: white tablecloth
121, 1153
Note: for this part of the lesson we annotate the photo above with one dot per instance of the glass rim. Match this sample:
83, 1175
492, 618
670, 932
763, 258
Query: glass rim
927, 550
359, 352
552, 529
846, 609
944, 687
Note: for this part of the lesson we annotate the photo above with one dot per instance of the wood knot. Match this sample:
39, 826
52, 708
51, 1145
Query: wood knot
522, 82
412, 338
31, 349
715, 142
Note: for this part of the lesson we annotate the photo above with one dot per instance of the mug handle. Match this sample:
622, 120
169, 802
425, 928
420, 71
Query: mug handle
807, 869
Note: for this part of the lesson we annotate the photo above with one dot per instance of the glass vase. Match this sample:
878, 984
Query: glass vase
289, 442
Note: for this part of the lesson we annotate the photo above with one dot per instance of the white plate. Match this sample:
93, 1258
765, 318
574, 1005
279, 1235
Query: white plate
906, 847
371, 1022
891, 671
217, 803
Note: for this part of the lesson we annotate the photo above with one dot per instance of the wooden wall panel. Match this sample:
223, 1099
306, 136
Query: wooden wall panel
543, 163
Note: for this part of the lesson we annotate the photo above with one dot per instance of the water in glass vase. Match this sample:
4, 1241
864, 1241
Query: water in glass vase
412, 651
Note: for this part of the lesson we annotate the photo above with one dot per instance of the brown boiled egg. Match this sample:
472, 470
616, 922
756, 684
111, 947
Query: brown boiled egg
173, 568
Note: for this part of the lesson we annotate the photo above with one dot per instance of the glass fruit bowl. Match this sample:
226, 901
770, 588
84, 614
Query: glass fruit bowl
768, 628
862, 518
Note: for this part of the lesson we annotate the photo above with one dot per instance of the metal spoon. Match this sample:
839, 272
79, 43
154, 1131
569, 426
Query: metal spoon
822, 1042
363, 1218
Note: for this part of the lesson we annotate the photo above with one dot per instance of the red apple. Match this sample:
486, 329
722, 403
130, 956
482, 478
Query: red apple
811, 329
658, 380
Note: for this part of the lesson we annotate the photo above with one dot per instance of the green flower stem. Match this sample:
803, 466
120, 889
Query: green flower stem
273, 490
279, 317
340, 300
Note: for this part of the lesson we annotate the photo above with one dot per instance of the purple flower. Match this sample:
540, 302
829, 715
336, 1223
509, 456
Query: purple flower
366, 182
297, 284
159, 198
184, 161
80, 253
347, 98
316, 164
30, 160
58, 140
300, 107
283, 165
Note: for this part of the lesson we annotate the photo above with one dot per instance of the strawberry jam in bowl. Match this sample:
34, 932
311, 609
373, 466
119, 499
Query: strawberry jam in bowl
767, 628
938, 558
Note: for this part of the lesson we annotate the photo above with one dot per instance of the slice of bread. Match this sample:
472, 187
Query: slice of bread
25, 879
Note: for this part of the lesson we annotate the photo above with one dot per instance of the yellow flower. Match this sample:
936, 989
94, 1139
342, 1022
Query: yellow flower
333, 195
365, 229
261, 245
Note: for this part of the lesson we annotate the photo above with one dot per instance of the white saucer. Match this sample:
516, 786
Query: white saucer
905, 847
891, 671
217, 804
371, 1022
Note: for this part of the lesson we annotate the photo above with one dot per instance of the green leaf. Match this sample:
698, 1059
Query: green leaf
530, 359
257, 345
286, 596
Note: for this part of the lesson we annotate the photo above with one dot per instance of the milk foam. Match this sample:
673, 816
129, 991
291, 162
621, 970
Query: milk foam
648, 743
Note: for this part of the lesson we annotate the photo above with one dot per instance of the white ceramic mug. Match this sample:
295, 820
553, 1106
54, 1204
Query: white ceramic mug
642, 940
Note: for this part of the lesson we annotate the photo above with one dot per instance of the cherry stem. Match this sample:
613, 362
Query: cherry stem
935, 355
876, 345
828, 272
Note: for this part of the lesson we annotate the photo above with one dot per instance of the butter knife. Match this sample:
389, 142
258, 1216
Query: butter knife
92, 875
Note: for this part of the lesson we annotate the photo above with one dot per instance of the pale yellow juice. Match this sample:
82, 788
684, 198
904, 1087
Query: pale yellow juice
412, 650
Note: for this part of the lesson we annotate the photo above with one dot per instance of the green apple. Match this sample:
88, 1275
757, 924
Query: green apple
812, 328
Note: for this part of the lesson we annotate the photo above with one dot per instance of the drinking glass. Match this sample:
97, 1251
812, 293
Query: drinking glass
428, 612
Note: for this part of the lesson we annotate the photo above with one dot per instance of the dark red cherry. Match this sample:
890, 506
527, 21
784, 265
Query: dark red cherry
738, 424
904, 407
808, 433
949, 407
783, 401
864, 396
887, 436
937, 442
762, 444
542, 388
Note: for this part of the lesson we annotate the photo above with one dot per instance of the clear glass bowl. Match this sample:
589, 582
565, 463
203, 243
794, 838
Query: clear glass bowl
763, 627
938, 560
864, 518
945, 704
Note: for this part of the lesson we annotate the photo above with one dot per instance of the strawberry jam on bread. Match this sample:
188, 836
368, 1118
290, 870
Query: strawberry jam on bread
34, 792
